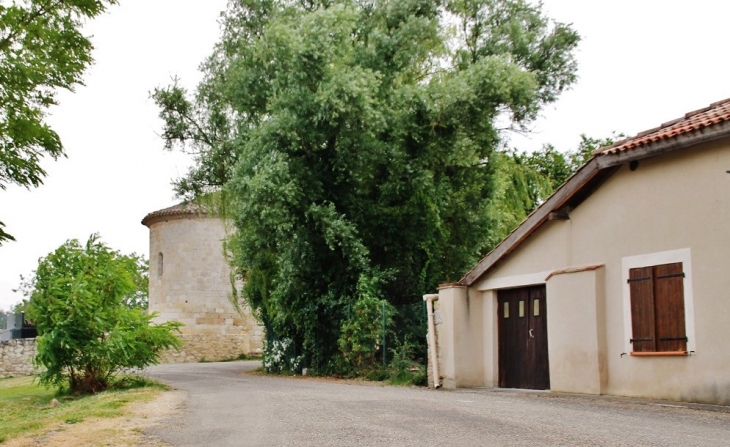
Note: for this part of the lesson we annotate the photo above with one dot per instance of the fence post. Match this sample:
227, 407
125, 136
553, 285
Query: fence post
385, 351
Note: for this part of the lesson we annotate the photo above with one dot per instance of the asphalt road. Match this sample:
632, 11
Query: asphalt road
225, 406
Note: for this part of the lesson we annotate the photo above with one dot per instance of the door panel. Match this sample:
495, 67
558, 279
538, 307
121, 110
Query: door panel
537, 348
522, 327
512, 337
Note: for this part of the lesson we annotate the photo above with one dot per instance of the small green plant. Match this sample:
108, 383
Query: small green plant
403, 369
133, 381
86, 303
377, 374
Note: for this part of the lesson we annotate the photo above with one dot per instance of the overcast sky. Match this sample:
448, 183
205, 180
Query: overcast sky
641, 63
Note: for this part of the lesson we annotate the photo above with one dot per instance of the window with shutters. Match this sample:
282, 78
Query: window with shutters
657, 308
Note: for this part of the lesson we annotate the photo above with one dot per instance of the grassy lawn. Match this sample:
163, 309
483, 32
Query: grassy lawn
28, 409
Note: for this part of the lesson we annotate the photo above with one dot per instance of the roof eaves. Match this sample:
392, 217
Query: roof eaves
694, 121
603, 159
179, 211
539, 216
660, 146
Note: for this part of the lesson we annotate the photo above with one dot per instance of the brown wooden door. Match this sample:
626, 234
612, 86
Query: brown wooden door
523, 349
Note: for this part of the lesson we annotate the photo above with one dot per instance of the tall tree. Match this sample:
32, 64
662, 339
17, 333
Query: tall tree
42, 50
354, 141
524, 180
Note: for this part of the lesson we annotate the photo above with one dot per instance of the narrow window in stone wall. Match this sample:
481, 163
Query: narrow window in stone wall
159, 264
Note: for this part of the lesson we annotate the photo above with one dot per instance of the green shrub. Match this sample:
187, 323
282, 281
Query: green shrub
403, 369
85, 303
280, 358
361, 335
377, 374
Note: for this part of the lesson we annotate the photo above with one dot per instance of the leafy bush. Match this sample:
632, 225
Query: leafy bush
86, 302
377, 374
362, 334
279, 357
403, 369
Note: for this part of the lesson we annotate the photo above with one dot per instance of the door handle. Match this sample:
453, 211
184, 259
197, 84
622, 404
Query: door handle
531, 334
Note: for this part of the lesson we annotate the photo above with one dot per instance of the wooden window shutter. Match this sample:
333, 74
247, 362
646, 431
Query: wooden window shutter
641, 283
669, 305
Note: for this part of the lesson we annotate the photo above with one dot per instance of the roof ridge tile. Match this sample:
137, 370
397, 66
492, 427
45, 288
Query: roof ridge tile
695, 112
717, 103
694, 121
180, 210
647, 132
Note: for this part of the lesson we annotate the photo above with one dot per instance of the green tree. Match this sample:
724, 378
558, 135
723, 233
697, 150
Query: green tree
557, 166
41, 50
22, 306
525, 180
354, 142
84, 303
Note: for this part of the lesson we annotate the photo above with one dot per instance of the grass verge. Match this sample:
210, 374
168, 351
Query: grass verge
32, 410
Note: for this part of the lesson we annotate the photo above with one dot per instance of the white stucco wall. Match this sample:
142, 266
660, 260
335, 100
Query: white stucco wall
460, 335
576, 346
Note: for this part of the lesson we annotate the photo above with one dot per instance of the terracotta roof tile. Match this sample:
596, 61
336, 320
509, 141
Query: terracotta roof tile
716, 113
600, 167
176, 211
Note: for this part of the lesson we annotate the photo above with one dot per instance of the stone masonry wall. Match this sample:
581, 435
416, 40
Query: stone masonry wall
16, 357
190, 282
196, 348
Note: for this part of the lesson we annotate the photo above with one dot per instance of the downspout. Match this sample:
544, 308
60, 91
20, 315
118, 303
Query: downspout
432, 338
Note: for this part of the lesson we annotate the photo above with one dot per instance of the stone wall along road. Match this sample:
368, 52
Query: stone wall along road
16, 357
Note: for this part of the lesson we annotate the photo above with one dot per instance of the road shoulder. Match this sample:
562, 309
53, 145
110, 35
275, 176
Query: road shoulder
127, 430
